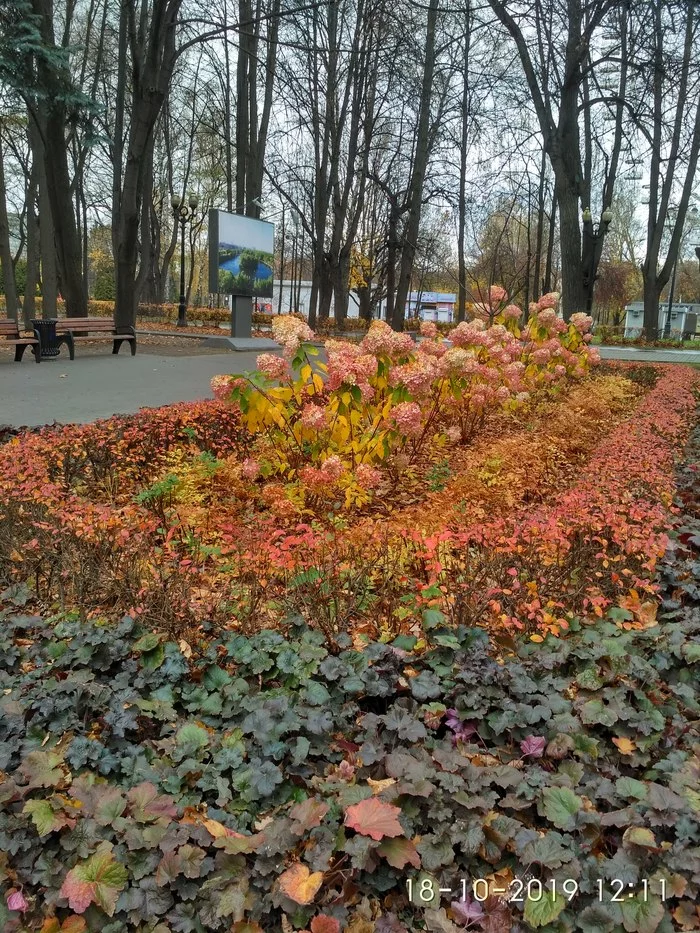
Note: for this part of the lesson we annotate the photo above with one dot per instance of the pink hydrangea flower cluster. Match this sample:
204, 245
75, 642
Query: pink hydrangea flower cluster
468, 334
381, 340
407, 418
290, 332
547, 317
428, 329
511, 312
418, 376
368, 476
313, 417
582, 322
221, 386
324, 476
250, 469
348, 364
274, 367
550, 300
497, 295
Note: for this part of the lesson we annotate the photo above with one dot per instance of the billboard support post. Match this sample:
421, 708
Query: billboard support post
241, 315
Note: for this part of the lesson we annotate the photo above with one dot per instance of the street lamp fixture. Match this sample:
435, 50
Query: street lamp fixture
594, 235
183, 215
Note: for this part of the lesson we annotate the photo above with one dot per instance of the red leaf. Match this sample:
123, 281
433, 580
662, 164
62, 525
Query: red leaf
325, 924
307, 814
374, 818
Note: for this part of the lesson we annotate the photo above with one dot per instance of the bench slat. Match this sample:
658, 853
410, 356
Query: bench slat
85, 323
109, 336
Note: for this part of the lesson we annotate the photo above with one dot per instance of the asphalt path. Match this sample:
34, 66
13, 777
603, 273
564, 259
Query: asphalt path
100, 385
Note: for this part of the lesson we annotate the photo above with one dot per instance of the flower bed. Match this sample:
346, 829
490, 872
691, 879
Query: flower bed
168, 516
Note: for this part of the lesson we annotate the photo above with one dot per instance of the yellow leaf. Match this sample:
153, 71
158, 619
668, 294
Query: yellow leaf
299, 884
218, 830
536, 638
379, 786
626, 746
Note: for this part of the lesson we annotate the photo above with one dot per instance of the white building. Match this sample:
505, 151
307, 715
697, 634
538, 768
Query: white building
684, 318
290, 290
429, 306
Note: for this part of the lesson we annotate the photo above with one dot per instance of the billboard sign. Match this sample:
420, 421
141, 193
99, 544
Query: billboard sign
241, 255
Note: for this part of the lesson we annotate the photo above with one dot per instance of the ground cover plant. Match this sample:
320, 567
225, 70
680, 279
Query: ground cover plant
264, 783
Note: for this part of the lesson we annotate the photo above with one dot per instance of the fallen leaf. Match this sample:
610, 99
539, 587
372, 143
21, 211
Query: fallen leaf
299, 884
379, 786
626, 746
374, 818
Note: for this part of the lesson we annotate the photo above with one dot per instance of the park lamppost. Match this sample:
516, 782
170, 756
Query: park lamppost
183, 215
595, 233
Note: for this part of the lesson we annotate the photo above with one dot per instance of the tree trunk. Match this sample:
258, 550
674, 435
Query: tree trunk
242, 108
33, 250
573, 293
537, 283
462, 200
8, 269
150, 82
420, 165
652, 300
53, 120
364, 296
47, 248
341, 294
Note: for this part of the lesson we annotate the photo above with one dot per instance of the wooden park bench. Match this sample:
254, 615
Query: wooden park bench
9, 330
69, 330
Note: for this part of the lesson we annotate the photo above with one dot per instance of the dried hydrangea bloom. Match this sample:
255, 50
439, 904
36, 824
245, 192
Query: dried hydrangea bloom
368, 476
250, 469
407, 418
290, 332
550, 300
274, 367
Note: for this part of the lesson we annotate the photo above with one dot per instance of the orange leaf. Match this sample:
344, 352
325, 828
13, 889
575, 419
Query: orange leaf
626, 746
73, 925
325, 924
374, 818
299, 884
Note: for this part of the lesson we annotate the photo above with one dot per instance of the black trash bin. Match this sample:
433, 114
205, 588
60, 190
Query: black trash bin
49, 341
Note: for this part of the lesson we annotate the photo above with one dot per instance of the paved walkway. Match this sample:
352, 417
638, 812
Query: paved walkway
655, 355
99, 385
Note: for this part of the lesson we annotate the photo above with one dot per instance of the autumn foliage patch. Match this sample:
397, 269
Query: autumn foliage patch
161, 515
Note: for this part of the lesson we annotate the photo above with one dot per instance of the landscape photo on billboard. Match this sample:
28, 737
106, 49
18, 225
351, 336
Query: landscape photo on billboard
245, 256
